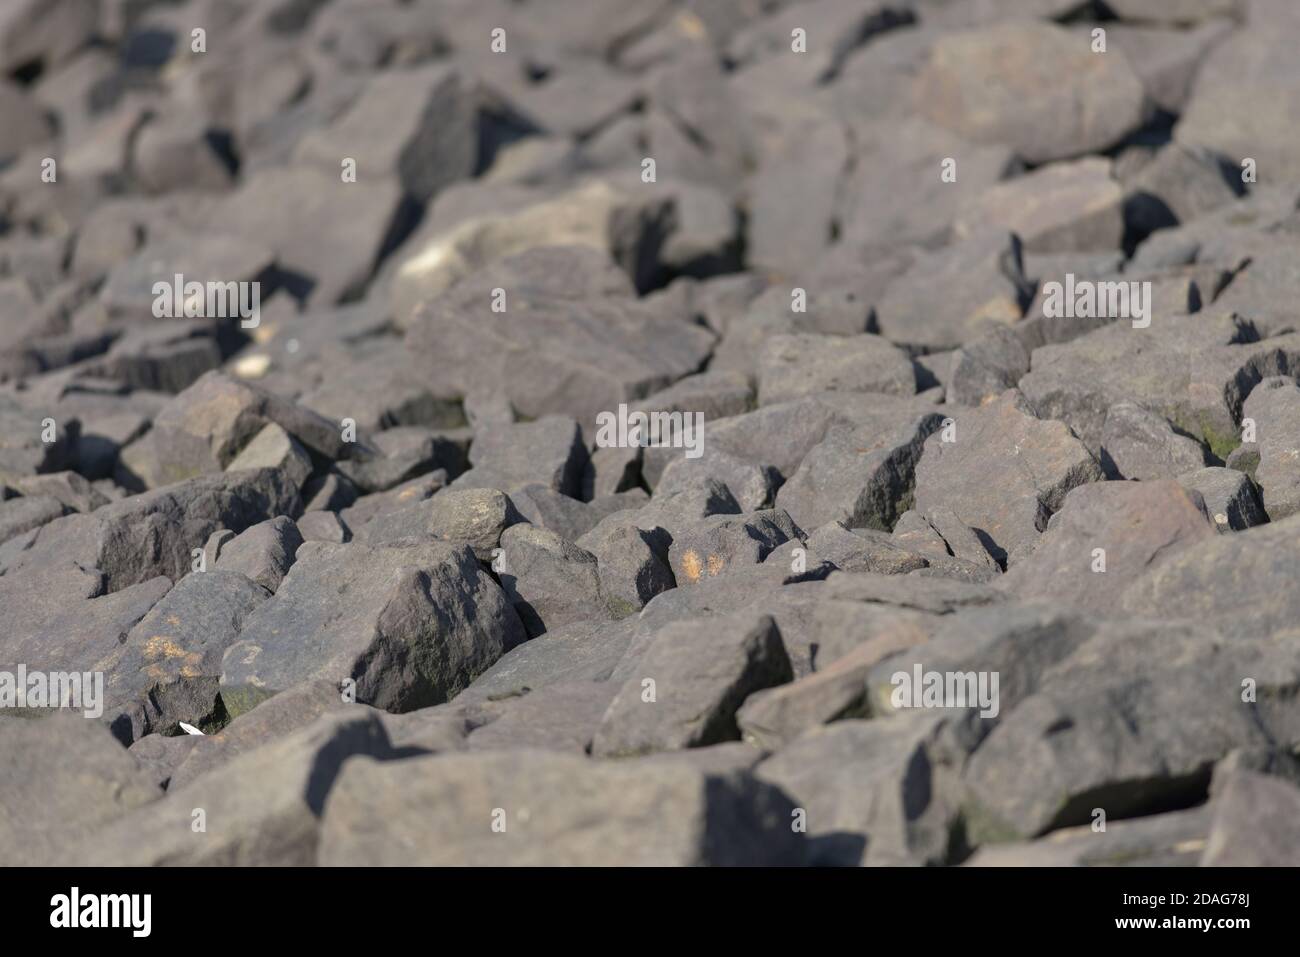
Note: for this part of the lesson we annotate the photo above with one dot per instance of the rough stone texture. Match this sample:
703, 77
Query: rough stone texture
385, 543
439, 810
1135, 525
1044, 460
689, 685
1274, 406
410, 626
1138, 444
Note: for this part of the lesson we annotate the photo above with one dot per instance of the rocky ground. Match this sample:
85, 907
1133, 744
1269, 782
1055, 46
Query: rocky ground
368, 540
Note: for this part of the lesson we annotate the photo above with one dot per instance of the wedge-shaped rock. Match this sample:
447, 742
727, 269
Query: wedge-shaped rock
1138, 444
410, 626
1231, 499
860, 476
274, 448
875, 792
263, 553
549, 581
417, 126
689, 684
1003, 473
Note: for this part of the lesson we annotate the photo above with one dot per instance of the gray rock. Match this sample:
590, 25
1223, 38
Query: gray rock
426, 140
689, 686
1138, 444
1254, 824
1131, 740
970, 86
720, 543
863, 550
263, 553
410, 625
875, 792
586, 651
23, 450
1135, 525
158, 755
860, 476
1219, 114
1230, 581
550, 581
1167, 60
275, 718
549, 451
45, 33
559, 717
66, 779
775, 717
474, 517
1193, 370
321, 526
794, 366
1274, 406
167, 668
551, 809
205, 427
279, 206
754, 484
631, 563
945, 298
969, 474
1160, 840
987, 367
76, 494
1059, 207
603, 348
152, 534
1230, 497
263, 808
405, 453
28, 512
